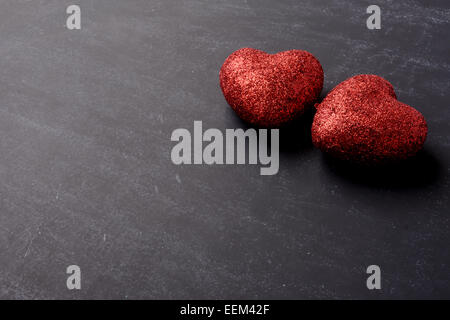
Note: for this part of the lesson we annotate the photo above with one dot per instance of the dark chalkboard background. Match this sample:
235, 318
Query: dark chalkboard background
86, 176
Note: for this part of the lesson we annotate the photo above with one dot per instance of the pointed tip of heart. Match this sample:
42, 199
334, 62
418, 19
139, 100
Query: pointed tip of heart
362, 121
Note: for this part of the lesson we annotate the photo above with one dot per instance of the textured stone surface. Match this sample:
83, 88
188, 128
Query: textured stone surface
86, 176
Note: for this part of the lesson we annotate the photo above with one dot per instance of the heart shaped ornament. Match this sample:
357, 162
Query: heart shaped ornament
270, 90
361, 120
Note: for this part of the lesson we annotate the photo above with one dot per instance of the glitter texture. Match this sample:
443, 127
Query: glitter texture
270, 90
361, 120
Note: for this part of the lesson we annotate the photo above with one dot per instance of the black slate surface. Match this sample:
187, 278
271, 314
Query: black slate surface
86, 176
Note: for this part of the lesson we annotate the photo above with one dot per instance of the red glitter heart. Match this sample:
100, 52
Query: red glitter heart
361, 120
269, 90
